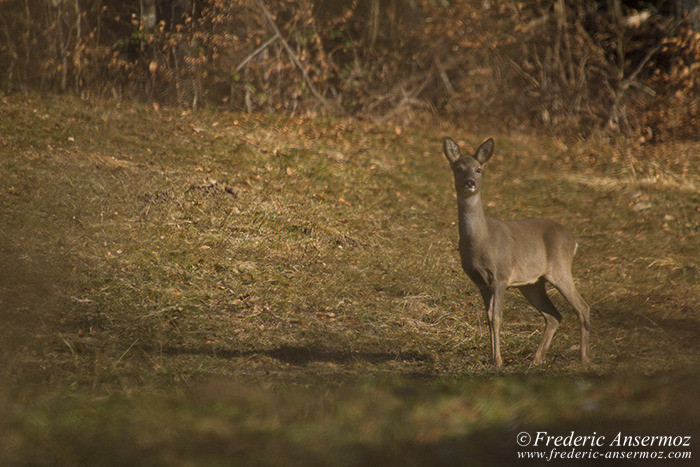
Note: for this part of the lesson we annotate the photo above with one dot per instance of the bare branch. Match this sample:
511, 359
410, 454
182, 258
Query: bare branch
293, 57
257, 51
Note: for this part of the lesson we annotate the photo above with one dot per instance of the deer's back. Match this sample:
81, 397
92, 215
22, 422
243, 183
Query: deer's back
520, 252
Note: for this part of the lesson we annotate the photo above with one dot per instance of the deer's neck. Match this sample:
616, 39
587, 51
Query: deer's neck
472, 221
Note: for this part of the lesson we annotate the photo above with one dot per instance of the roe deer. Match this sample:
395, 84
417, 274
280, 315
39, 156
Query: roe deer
524, 254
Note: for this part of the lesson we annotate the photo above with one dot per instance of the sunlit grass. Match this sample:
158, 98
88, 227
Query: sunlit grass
311, 265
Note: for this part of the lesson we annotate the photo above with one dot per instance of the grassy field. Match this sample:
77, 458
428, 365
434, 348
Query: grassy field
185, 288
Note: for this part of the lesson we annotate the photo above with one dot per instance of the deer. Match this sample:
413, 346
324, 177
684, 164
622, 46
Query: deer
525, 254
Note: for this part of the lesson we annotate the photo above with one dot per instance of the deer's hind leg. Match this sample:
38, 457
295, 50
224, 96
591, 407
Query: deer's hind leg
565, 285
537, 296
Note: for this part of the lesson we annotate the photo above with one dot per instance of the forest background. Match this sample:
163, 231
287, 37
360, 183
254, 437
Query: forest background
568, 66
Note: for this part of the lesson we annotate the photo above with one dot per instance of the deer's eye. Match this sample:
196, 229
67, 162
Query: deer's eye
478, 170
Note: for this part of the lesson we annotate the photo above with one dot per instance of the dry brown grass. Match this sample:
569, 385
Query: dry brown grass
149, 252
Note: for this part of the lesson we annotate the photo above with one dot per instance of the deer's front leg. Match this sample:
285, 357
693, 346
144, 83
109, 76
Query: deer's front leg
496, 314
493, 301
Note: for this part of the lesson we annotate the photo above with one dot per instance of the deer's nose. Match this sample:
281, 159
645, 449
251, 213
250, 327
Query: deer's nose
470, 185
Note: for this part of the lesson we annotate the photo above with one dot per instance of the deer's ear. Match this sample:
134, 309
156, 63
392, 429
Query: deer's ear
451, 150
485, 151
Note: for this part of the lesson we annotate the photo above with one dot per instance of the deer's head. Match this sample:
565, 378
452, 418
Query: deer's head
467, 169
